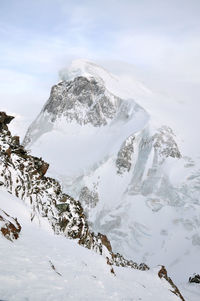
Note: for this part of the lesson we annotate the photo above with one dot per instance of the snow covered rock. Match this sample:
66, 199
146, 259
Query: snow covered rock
124, 156
164, 143
83, 100
9, 226
163, 274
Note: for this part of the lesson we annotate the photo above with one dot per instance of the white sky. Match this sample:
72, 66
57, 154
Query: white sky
156, 40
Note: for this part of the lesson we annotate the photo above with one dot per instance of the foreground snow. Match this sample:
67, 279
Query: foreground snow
42, 266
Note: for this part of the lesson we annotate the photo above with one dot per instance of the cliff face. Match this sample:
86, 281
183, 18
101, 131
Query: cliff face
82, 100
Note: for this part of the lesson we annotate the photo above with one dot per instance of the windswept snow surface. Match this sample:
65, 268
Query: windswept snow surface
150, 213
41, 266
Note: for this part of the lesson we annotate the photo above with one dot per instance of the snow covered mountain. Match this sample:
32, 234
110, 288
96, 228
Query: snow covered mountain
112, 148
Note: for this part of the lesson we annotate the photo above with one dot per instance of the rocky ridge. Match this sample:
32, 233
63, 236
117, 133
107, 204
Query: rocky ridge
23, 176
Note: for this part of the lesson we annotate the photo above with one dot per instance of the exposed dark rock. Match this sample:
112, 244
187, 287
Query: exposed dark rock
119, 260
9, 227
53, 268
164, 143
43, 167
163, 274
15, 140
83, 100
105, 242
4, 120
124, 156
8, 151
195, 278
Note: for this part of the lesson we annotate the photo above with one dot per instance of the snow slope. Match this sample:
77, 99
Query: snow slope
43, 266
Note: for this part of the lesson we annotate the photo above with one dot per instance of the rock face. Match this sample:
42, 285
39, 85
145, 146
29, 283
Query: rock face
164, 143
4, 120
9, 226
82, 100
124, 156
88, 197
163, 274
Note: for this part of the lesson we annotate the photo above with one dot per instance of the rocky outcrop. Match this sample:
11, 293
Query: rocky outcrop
124, 156
163, 274
164, 143
149, 177
4, 120
195, 279
23, 175
9, 226
83, 100
88, 197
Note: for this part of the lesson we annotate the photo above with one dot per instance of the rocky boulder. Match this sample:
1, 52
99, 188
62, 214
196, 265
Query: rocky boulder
195, 278
9, 226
